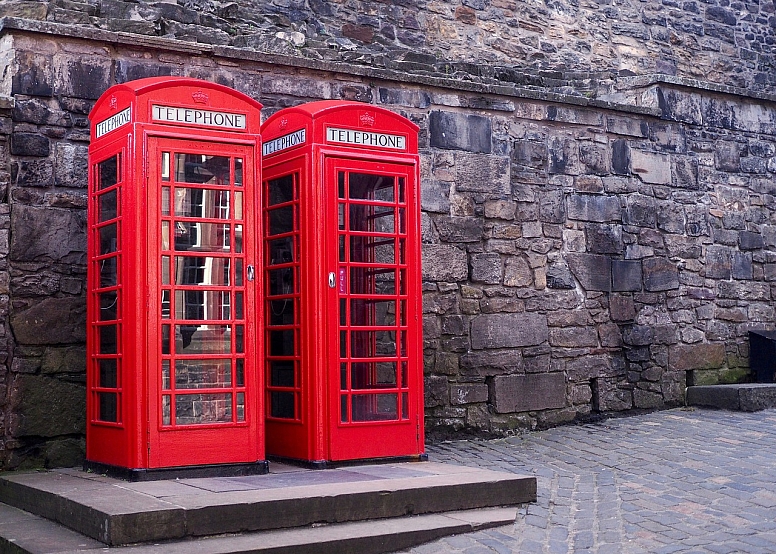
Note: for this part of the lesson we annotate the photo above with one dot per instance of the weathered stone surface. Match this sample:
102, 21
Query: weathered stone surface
718, 262
444, 263
587, 207
33, 325
660, 274
508, 330
486, 268
683, 357
47, 234
651, 167
485, 174
626, 275
524, 393
491, 362
37, 397
468, 393
593, 272
454, 131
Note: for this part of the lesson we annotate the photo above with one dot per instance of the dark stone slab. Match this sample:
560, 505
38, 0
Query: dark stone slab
683, 357
508, 330
524, 393
718, 262
626, 275
620, 157
455, 131
590, 207
594, 272
750, 241
30, 144
660, 274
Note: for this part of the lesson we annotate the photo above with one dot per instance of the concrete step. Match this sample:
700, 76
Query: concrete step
24, 533
116, 512
746, 397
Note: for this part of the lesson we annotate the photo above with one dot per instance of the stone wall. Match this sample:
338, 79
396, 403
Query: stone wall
564, 44
580, 255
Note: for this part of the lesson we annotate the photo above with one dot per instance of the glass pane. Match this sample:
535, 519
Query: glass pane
108, 374
199, 168
201, 270
238, 237
402, 221
165, 200
280, 220
368, 311
108, 407
108, 205
343, 344
238, 172
165, 374
202, 305
372, 280
343, 304
239, 339
281, 281
405, 405
165, 339
372, 375
403, 312
166, 410
108, 305
238, 305
281, 190
203, 374
165, 304
375, 407
404, 383
108, 272
281, 404
343, 408
240, 406
108, 238
165, 166
401, 190
281, 251
108, 338
240, 372
202, 237
376, 219
341, 184
281, 343
281, 312
342, 248
205, 339
238, 205
109, 172
238, 272
371, 187
165, 270
192, 409
403, 344
368, 344
341, 217
343, 376
203, 203
281, 373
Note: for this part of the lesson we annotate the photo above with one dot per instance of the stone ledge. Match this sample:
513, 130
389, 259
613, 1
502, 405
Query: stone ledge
748, 397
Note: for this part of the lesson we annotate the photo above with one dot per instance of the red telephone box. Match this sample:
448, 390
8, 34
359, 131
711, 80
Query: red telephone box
173, 319
343, 328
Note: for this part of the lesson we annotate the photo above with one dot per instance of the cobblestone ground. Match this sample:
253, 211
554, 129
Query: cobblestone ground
682, 481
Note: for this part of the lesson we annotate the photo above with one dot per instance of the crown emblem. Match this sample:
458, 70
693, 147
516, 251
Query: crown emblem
283, 123
113, 103
367, 119
200, 97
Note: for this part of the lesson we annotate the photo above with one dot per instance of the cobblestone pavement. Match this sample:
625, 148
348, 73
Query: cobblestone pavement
682, 481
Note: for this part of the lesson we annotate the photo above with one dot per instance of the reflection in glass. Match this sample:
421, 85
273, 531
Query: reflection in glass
364, 186
240, 372
165, 374
238, 172
281, 251
202, 203
239, 339
108, 205
368, 344
108, 305
203, 374
108, 407
165, 166
281, 404
192, 409
281, 190
165, 339
109, 172
165, 200
166, 416
165, 270
202, 237
165, 235
108, 373
368, 311
372, 375
202, 339
240, 406
238, 208
405, 405
108, 272
202, 305
108, 238
200, 168
108, 339
374, 407
201, 270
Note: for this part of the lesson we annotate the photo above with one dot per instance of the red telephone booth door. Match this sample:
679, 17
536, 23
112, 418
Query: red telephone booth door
376, 391
203, 382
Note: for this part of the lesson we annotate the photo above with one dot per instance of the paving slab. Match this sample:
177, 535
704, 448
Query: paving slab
118, 513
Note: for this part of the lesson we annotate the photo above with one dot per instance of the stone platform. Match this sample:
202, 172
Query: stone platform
746, 397
364, 509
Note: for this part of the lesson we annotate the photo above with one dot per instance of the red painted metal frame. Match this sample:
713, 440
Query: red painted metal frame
297, 144
137, 439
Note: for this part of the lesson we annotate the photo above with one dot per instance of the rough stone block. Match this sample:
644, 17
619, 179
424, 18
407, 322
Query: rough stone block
508, 330
486, 268
626, 275
651, 167
435, 196
468, 393
444, 263
33, 324
41, 234
621, 157
459, 229
718, 262
435, 391
525, 393
593, 272
660, 274
41, 396
494, 362
638, 335
30, 144
742, 265
454, 131
604, 238
517, 273
482, 174
683, 357
640, 211
747, 290
622, 308
563, 155
589, 207
750, 241
574, 337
